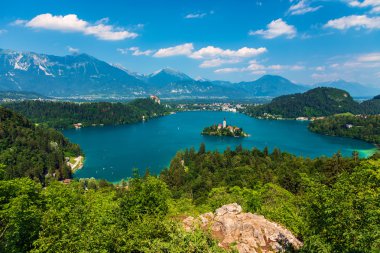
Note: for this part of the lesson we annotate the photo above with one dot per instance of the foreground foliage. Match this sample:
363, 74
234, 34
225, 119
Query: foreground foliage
92, 216
332, 204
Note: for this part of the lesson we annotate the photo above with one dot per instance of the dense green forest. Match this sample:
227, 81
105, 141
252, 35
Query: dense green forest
32, 151
332, 204
314, 103
371, 106
361, 127
65, 114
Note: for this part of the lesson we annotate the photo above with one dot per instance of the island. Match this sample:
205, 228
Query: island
224, 130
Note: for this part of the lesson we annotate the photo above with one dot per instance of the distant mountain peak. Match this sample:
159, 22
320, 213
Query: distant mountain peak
170, 71
273, 77
354, 88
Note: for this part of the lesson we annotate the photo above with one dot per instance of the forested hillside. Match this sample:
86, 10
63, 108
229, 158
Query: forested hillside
65, 114
371, 106
314, 103
32, 151
361, 127
331, 204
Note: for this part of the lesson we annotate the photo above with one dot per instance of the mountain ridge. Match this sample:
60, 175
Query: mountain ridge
83, 74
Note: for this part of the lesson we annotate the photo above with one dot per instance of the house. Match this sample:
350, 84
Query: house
348, 126
219, 126
67, 181
77, 125
155, 99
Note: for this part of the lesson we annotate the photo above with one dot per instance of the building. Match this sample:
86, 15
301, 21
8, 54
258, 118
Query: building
77, 125
224, 123
155, 99
219, 126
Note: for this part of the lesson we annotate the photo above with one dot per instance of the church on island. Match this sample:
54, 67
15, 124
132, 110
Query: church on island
224, 130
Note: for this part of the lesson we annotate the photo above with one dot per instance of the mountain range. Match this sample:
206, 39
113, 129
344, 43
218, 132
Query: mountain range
84, 75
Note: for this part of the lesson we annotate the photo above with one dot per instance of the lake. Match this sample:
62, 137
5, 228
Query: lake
113, 151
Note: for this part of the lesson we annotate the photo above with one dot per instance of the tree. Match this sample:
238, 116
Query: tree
21, 209
144, 197
202, 149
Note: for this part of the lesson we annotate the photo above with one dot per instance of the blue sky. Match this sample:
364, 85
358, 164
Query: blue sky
306, 41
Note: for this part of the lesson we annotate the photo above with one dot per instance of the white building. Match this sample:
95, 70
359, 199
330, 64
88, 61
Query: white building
224, 123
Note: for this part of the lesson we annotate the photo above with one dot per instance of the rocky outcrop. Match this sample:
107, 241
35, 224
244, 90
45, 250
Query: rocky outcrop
248, 232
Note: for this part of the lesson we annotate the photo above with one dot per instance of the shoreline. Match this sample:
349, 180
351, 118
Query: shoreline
77, 165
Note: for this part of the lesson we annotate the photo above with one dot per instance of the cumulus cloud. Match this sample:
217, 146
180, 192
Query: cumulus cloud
183, 49
354, 21
373, 4
135, 51
275, 29
71, 23
211, 56
227, 70
217, 62
255, 67
211, 51
302, 7
72, 50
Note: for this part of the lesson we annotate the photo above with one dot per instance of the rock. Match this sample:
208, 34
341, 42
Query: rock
249, 232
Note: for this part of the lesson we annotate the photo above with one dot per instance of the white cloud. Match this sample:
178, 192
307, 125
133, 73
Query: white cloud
211, 52
354, 21
320, 68
2, 31
302, 7
275, 29
373, 4
296, 67
195, 15
254, 67
72, 50
183, 49
217, 62
372, 57
19, 22
210, 55
71, 23
198, 15
135, 51
227, 70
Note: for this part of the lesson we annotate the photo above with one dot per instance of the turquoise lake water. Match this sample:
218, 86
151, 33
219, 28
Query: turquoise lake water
113, 151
